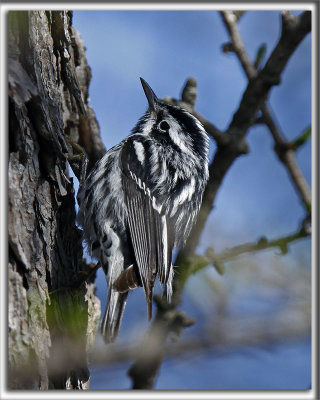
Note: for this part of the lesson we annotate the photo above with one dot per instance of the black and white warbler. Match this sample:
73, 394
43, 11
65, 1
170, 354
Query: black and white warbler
141, 200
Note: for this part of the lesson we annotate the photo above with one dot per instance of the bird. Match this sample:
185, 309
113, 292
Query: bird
140, 201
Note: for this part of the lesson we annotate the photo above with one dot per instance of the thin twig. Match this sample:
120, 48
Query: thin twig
187, 102
285, 154
287, 157
238, 47
257, 90
216, 259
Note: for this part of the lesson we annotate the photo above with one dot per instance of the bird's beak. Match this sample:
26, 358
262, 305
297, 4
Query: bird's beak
152, 98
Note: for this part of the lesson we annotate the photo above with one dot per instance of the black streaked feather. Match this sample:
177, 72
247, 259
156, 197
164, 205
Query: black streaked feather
142, 235
113, 315
148, 227
140, 200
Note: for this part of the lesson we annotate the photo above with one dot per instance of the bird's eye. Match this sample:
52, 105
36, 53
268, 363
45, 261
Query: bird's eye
164, 126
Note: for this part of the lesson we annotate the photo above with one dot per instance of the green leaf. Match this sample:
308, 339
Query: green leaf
302, 138
260, 55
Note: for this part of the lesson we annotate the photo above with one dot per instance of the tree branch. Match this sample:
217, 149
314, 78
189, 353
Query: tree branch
198, 262
237, 44
259, 86
187, 102
232, 145
253, 98
286, 155
224, 332
291, 25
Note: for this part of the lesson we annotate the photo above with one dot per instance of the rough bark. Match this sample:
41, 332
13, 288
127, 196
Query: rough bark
52, 319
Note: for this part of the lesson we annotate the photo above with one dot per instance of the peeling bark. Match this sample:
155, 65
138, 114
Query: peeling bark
51, 321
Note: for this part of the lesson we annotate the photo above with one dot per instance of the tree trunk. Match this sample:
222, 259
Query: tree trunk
52, 309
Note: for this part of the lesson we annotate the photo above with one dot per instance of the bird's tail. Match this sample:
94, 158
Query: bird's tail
113, 314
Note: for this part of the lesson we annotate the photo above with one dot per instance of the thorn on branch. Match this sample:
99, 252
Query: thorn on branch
218, 264
227, 47
262, 242
179, 322
238, 14
189, 92
283, 246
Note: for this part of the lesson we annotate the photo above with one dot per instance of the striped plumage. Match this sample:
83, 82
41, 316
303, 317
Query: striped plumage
141, 200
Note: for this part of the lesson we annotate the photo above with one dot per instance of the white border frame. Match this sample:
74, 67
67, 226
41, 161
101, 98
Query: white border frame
185, 395
139, 6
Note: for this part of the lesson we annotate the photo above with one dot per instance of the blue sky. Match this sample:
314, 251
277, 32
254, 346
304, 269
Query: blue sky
167, 47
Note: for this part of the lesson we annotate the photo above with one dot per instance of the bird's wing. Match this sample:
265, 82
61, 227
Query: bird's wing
148, 225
